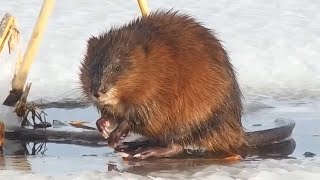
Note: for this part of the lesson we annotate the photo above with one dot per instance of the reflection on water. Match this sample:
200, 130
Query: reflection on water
19, 148
188, 160
14, 156
31, 156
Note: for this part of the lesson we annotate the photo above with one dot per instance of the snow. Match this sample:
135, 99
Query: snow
263, 170
9, 117
274, 46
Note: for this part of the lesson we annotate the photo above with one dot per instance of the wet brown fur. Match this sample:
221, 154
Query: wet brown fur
180, 87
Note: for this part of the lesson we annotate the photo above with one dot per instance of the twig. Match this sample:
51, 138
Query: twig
20, 78
34, 42
21, 105
24, 110
7, 30
36, 114
143, 7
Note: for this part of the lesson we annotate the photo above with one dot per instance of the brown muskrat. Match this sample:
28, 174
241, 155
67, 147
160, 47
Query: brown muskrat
168, 78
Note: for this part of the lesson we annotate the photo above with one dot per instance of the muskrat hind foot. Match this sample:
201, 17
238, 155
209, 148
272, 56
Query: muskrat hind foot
118, 134
232, 157
153, 151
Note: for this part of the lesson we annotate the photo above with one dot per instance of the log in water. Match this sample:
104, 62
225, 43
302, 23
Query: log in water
92, 138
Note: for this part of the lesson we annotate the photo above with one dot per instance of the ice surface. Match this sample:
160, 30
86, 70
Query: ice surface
274, 46
79, 162
295, 169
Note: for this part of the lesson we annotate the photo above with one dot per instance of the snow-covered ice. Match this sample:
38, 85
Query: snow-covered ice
307, 169
274, 46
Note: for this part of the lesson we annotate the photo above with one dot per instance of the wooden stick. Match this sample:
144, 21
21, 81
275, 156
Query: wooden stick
5, 29
67, 137
33, 45
20, 76
20, 108
143, 7
95, 139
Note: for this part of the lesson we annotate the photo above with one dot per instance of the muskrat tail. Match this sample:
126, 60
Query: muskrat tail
2, 134
280, 133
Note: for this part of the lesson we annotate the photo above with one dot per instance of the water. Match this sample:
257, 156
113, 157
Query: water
274, 46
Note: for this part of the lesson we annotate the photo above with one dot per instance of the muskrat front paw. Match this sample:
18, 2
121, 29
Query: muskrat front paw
115, 137
103, 124
118, 134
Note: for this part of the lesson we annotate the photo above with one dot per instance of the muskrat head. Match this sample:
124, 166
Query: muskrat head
103, 66
119, 71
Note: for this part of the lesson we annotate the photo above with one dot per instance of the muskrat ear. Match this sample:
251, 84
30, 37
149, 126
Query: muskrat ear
92, 41
141, 52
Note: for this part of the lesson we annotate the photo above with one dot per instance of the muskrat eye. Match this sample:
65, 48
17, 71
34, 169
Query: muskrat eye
117, 68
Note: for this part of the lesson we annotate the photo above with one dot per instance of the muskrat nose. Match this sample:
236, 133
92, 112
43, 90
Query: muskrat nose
103, 91
97, 95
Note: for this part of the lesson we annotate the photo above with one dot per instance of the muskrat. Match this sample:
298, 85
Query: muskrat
168, 78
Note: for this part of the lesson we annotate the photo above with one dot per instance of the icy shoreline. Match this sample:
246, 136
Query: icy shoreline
274, 47
306, 168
